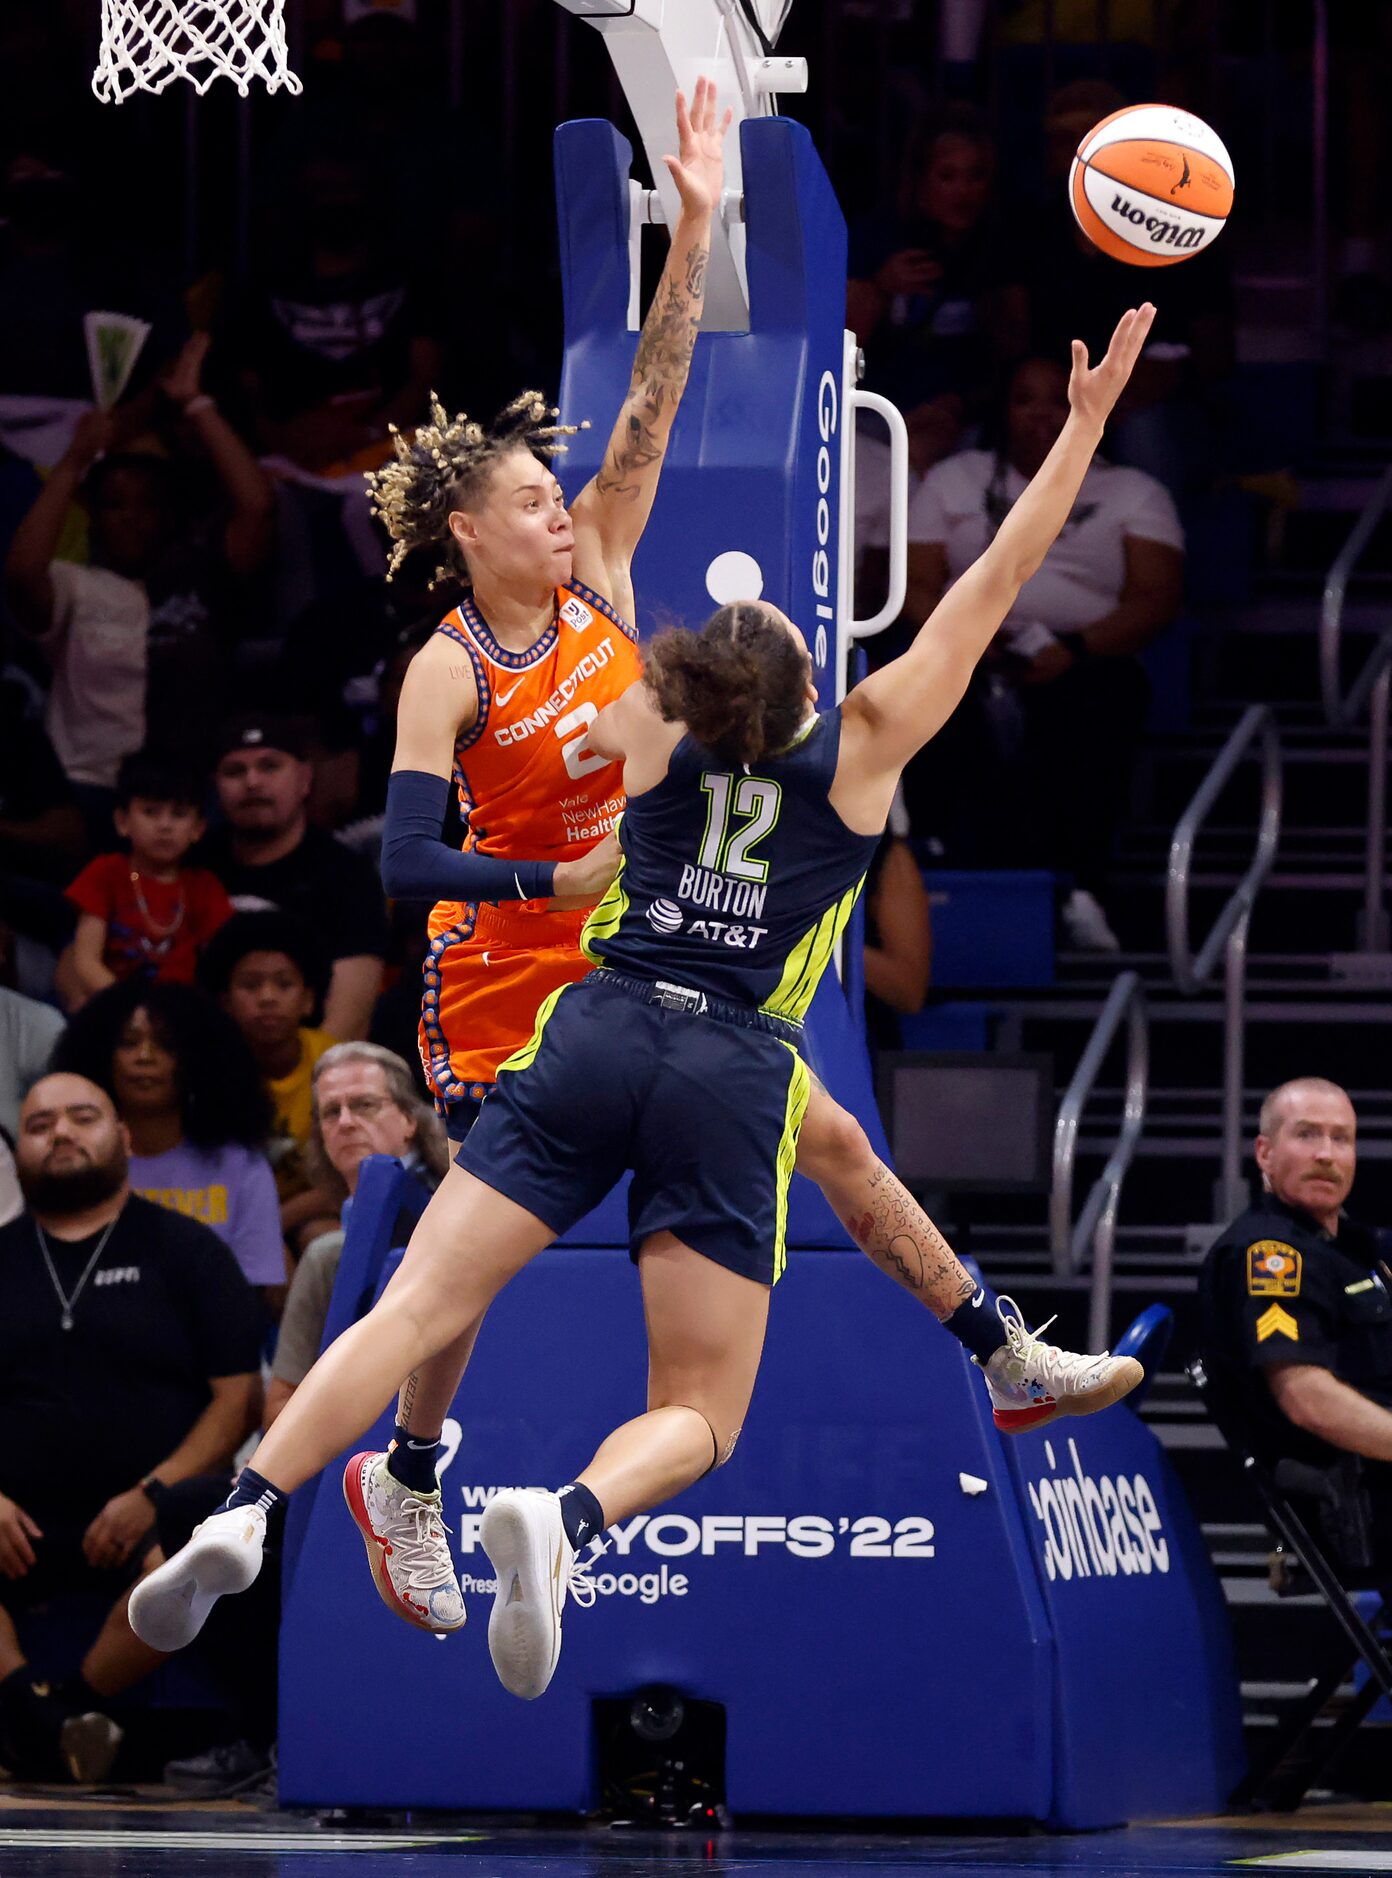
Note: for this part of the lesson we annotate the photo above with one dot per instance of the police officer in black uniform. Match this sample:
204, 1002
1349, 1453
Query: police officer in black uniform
1296, 1299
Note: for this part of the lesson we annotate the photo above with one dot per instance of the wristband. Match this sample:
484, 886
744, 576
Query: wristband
154, 1490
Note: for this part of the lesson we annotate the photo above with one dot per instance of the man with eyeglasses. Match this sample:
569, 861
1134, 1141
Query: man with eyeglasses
364, 1103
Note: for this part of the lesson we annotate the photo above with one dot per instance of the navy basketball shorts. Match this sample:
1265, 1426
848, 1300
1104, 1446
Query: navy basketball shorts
705, 1113
459, 1116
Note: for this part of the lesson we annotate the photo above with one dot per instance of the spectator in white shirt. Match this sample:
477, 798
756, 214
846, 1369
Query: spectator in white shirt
1040, 749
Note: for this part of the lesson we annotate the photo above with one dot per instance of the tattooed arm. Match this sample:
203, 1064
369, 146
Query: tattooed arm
611, 512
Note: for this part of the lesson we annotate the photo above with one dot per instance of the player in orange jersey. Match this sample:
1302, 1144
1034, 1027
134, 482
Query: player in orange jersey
499, 701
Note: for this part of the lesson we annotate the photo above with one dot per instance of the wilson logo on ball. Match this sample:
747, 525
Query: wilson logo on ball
1176, 185
1175, 233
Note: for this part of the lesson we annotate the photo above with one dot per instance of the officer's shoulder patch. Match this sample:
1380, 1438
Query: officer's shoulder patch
1277, 1322
1273, 1269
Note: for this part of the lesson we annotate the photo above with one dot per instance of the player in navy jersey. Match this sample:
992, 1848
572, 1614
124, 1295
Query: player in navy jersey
751, 821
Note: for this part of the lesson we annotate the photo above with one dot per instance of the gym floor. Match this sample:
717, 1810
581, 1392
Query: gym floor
43, 1836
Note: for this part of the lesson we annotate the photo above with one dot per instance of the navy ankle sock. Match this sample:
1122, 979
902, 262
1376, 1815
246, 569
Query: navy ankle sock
412, 1460
581, 1514
976, 1325
253, 1489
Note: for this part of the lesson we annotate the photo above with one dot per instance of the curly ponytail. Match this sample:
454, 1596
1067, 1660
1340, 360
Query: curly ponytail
444, 465
739, 684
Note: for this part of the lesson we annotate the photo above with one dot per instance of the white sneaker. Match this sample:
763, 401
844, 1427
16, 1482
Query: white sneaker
535, 1565
1032, 1383
1086, 924
407, 1545
171, 1606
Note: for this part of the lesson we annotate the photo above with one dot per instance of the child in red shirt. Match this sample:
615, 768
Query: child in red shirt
143, 913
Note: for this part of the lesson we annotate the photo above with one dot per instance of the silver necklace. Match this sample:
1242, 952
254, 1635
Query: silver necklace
69, 1302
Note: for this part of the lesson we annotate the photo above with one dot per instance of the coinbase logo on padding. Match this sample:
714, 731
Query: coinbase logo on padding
665, 916
1097, 1527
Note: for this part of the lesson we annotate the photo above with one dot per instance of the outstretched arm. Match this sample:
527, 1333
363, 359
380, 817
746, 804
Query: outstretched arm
612, 510
249, 535
893, 713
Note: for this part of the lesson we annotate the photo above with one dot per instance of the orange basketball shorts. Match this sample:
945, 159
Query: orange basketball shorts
486, 974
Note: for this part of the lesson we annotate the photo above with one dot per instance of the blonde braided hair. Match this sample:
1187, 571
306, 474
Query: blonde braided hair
443, 465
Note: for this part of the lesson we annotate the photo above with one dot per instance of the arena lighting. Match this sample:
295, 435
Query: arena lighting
660, 45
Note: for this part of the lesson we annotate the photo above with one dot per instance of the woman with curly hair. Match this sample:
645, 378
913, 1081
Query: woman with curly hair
191, 1097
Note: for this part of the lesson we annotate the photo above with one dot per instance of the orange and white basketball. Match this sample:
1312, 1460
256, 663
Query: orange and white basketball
1151, 185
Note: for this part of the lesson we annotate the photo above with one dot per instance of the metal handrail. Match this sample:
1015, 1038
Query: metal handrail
1342, 710
1372, 688
1228, 935
1095, 1227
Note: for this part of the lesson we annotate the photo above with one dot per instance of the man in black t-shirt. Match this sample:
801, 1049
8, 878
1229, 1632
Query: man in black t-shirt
268, 855
129, 1361
1296, 1299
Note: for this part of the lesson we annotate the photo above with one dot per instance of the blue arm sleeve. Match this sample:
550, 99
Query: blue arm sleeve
416, 864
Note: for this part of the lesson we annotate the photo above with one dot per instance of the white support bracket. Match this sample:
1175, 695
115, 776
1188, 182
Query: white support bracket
658, 47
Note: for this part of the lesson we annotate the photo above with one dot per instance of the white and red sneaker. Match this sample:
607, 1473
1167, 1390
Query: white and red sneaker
1031, 1383
407, 1544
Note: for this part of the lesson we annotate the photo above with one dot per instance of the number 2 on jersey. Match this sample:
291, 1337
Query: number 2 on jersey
754, 801
580, 760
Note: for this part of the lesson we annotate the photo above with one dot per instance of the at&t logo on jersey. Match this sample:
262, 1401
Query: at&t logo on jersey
665, 917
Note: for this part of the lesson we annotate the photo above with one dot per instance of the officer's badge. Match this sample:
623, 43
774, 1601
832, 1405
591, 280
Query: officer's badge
1276, 1322
1273, 1270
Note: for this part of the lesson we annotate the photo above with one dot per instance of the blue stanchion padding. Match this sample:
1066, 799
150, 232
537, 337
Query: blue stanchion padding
1147, 1338
806, 1586
991, 927
873, 1571
1147, 1714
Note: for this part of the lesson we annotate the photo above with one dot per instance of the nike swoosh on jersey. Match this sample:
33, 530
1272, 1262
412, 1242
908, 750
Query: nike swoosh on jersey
505, 697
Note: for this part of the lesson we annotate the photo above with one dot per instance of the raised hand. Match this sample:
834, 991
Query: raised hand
182, 380
1093, 390
698, 169
93, 435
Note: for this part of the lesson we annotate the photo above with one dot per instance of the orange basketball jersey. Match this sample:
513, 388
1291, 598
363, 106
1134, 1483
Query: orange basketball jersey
529, 786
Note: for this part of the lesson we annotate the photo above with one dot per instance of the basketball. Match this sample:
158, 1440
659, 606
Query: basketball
1151, 185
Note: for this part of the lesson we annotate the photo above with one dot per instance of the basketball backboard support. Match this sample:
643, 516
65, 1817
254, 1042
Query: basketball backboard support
658, 46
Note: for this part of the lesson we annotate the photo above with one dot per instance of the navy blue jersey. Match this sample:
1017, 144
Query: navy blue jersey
736, 881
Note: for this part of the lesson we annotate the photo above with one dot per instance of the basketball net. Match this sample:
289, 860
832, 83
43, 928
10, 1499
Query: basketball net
147, 44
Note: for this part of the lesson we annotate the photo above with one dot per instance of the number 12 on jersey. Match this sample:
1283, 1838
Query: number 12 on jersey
752, 800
